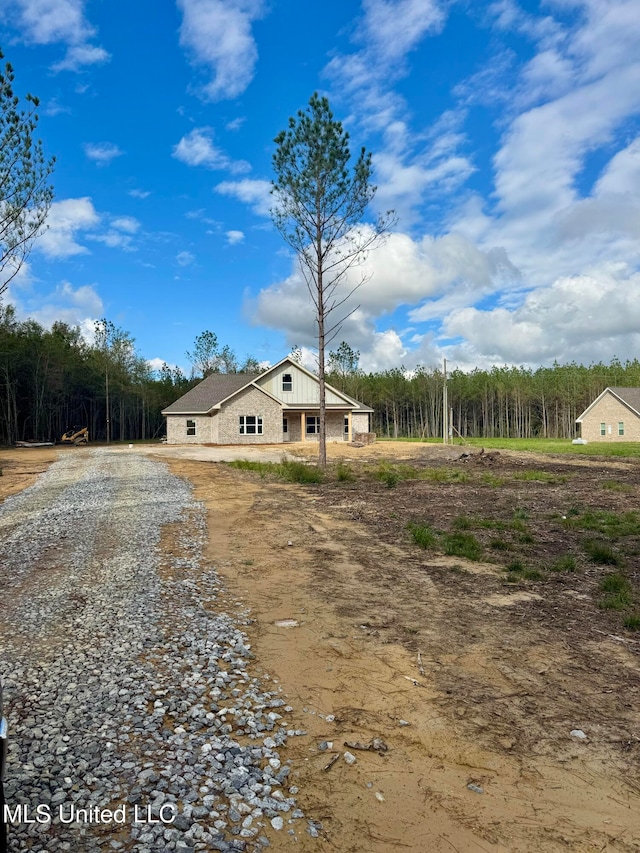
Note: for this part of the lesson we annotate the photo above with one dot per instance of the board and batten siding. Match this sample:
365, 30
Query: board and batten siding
177, 429
305, 390
250, 402
610, 412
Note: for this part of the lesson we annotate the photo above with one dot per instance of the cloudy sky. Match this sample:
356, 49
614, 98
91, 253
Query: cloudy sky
505, 135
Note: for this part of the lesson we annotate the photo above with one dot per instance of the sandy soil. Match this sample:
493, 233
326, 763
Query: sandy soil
490, 677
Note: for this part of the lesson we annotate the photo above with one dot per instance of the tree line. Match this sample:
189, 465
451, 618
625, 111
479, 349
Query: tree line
503, 402
52, 379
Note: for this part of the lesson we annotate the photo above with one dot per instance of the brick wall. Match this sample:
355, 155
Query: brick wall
250, 402
335, 428
610, 412
360, 422
177, 429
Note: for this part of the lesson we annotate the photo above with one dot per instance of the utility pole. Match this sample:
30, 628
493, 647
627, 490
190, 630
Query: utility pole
445, 406
106, 385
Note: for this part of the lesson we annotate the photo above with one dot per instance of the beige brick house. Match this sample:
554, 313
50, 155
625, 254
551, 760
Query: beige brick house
613, 416
282, 404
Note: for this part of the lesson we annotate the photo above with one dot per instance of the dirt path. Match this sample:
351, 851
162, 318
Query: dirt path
491, 707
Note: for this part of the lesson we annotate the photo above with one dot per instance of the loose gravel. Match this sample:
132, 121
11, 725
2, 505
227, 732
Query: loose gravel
135, 721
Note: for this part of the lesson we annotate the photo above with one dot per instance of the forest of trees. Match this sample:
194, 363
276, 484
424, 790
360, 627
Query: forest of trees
52, 379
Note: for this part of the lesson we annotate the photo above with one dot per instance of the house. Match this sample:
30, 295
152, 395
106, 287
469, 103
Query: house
613, 416
279, 405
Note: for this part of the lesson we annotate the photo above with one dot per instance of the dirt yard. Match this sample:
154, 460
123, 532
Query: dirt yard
473, 676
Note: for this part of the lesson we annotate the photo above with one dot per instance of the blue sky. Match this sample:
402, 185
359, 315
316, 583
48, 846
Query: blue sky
506, 137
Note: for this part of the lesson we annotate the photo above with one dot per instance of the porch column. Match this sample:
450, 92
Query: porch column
349, 434
303, 432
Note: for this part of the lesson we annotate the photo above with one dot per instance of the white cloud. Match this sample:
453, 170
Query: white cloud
185, 259
586, 318
156, 364
128, 224
197, 149
66, 218
102, 153
79, 306
142, 194
234, 237
236, 123
217, 35
52, 21
78, 57
255, 193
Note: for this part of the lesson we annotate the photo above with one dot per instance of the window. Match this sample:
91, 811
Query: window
250, 425
313, 425
191, 427
287, 382
603, 429
285, 425
346, 426
620, 427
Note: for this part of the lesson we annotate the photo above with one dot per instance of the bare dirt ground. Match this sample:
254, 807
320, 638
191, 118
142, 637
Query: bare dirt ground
491, 676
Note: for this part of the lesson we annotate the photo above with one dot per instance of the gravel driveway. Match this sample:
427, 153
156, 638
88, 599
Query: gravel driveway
135, 722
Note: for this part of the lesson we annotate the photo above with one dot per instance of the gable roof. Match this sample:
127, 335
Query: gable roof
220, 387
209, 393
629, 397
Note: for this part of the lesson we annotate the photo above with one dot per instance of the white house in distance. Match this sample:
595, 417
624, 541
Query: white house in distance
613, 416
282, 404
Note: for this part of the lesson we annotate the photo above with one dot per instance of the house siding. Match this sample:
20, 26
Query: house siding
610, 411
304, 391
177, 429
250, 402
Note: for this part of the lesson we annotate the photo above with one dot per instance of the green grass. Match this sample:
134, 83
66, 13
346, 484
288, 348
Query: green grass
500, 545
422, 535
632, 622
289, 470
540, 477
566, 563
462, 545
613, 525
492, 480
444, 475
344, 473
615, 486
544, 445
599, 552
515, 566
618, 592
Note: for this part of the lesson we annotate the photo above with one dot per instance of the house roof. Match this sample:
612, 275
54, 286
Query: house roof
629, 397
209, 393
219, 387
